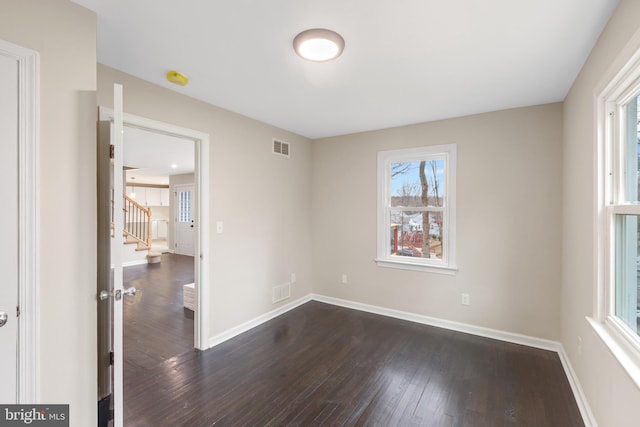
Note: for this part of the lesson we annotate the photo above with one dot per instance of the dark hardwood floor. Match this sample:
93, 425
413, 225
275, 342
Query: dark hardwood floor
156, 326
324, 365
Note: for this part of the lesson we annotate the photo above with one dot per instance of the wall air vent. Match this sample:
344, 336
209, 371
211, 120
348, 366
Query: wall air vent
280, 292
281, 148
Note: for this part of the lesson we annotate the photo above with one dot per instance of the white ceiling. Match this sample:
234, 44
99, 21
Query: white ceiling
153, 155
405, 61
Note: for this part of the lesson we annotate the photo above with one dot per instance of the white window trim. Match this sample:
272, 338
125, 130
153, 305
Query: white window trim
623, 343
385, 158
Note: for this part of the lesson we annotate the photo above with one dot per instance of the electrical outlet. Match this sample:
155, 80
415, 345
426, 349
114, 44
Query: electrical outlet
344, 279
465, 299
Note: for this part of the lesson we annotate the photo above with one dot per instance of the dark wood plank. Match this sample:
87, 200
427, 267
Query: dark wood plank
325, 365
156, 326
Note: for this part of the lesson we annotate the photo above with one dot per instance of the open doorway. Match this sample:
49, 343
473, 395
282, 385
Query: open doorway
111, 326
157, 167
159, 321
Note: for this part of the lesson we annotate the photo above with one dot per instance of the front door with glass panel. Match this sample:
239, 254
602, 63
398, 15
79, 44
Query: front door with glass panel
185, 230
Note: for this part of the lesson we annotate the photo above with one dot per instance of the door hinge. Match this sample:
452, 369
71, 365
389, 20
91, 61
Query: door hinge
17, 311
111, 358
112, 150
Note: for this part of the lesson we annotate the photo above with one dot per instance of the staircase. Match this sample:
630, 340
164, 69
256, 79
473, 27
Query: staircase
137, 233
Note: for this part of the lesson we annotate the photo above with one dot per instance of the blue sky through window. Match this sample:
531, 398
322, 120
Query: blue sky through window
410, 177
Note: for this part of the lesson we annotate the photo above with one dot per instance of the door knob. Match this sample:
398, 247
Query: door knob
117, 295
130, 291
3, 318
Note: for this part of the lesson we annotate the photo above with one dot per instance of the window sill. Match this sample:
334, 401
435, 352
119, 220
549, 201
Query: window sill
624, 353
414, 266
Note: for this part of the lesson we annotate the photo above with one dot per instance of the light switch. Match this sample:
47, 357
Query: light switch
219, 227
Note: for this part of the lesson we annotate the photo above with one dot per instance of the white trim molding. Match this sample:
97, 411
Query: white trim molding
581, 400
446, 154
543, 344
28, 62
576, 388
614, 307
441, 323
250, 324
202, 259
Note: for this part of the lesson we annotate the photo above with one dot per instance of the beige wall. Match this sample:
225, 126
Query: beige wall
611, 394
263, 199
64, 35
508, 223
510, 166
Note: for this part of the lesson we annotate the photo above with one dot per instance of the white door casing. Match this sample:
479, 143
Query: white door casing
10, 220
201, 329
116, 254
19, 86
202, 260
110, 270
184, 219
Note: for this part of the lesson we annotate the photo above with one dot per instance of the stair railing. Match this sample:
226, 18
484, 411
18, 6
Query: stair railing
137, 221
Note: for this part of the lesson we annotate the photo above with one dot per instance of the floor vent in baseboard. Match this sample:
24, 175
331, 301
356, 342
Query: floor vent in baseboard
280, 292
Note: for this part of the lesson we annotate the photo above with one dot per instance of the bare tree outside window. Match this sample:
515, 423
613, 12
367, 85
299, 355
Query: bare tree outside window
416, 184
416, 224
424, 196
435, 183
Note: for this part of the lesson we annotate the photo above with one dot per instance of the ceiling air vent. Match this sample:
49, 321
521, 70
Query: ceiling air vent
281, 148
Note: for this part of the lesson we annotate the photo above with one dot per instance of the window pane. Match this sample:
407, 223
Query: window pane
632, 140
184, 206
408, 237
418, 183
627, 271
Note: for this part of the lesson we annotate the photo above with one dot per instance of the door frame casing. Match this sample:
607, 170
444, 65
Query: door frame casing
201, 181
29, 213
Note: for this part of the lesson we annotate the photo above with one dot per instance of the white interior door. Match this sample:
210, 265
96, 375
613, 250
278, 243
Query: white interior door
111, 225
185, 224
116, 254
10, 222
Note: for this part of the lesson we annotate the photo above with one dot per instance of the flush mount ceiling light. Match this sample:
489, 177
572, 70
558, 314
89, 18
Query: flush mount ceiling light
318, 44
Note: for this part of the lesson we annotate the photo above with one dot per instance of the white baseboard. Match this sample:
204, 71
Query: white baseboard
511, 337
136, 262
581, 399
244, 327
445, 324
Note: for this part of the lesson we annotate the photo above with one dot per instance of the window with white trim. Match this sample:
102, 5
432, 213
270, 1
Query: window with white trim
416, 208
617, 318
623, 215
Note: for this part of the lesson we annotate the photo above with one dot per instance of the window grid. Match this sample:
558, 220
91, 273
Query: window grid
184, 206
416, 217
